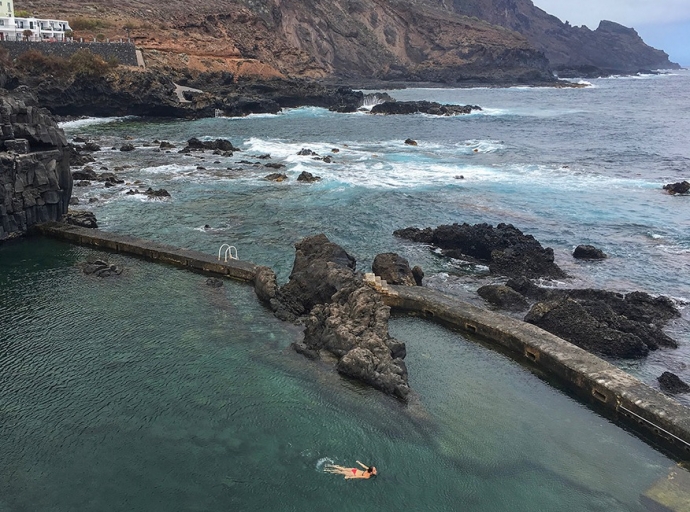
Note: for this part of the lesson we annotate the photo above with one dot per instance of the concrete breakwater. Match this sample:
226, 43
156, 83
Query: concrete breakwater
649, 413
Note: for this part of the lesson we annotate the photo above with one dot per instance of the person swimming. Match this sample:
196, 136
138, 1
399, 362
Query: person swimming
350, 473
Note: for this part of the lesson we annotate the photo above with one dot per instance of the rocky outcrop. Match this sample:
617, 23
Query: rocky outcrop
503, 297
35, 182
682, 187
600, 321
672, 384
394, 269
343, 316
421, 107
505, 249
611, 48
588, 252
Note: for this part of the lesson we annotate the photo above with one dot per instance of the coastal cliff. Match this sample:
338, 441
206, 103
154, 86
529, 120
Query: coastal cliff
35, 180
456, 42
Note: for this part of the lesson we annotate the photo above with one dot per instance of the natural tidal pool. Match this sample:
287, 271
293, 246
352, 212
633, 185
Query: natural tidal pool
152, 391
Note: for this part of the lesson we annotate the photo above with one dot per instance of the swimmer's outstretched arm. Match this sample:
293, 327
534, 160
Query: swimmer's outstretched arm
365, 467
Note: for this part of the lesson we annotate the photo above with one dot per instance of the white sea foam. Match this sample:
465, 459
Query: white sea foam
89, 121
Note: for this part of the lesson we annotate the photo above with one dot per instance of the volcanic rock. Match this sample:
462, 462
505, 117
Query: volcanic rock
308, 177
503, 297
671, 383
421, 107
505, 249
394, 269
588, 252
682, 187
81, 218
276, 176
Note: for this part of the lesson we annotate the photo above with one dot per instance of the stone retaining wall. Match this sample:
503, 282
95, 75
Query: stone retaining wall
125, 53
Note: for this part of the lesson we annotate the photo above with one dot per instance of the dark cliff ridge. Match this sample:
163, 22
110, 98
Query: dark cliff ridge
611, 47
35, 180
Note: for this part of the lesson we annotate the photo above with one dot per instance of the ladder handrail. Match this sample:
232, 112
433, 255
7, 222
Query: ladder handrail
221, 249
229, 250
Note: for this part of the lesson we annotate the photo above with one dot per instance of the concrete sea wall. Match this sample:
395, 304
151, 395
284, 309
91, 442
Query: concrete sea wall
124, 53
652, 415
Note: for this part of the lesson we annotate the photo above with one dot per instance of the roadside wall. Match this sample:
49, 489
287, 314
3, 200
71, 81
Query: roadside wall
125, 53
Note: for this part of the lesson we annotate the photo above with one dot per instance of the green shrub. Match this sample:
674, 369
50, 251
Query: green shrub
85, 63
82, 23
35, 62
100, 37
21, 13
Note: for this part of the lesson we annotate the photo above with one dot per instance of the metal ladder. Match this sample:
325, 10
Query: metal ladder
230, 251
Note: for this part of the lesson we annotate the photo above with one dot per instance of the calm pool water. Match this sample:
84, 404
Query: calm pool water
154, 392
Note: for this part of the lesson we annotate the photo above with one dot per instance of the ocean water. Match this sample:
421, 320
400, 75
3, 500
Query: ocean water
153, 392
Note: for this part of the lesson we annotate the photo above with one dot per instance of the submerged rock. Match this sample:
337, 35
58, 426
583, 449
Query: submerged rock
100, 268
424, 107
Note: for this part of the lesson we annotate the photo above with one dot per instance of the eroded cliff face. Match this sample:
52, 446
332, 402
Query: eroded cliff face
35, 180
611, 47
377, 39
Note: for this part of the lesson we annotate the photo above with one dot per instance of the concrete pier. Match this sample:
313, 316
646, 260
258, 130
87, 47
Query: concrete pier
153, 251
646, 410
652, 415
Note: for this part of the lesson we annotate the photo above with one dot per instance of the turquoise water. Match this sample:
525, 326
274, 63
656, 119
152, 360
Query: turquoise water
152, 391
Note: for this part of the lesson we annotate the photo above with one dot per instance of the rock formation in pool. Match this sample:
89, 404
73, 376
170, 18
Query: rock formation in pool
342, 315
505, 249
601, 321
35, 180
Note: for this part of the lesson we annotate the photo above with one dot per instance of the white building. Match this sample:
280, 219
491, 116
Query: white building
13, 28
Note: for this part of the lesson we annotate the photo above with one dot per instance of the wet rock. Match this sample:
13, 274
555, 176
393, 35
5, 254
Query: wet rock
195, 144
672, 384
418, 274
274, 165
91, 147
166, 145
307, 177
74, 201
411, 142
127, 147
682, 187
503, 297
335, 150
276, 176
394, 269
81, 218
588, 252
505, 249
100, 268
157, 193
87, 173
424, 107
306, 152
571, 321
214, 282
266, 156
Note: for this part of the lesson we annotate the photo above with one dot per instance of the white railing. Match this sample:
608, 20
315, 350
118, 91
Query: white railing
230, 251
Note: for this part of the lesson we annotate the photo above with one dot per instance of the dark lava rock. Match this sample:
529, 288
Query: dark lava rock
276, 176
588, 252
266, 156
87, 173
214, 282
91, 146
424, 107
80, 140
505, 249
127, 147
306, 152
671, 383
76, 157
503, 297
571, 321
342, 316
418, 274
394, 269
73, 201
682, 187
274, 165
308, 177
166, 145
411, 142
157, 193
218, 144
100, 268
80, 218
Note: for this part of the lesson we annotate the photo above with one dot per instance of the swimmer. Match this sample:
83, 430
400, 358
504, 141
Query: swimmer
349, 473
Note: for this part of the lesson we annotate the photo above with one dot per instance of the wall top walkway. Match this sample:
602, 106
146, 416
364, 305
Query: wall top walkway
639, 405
185, 258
